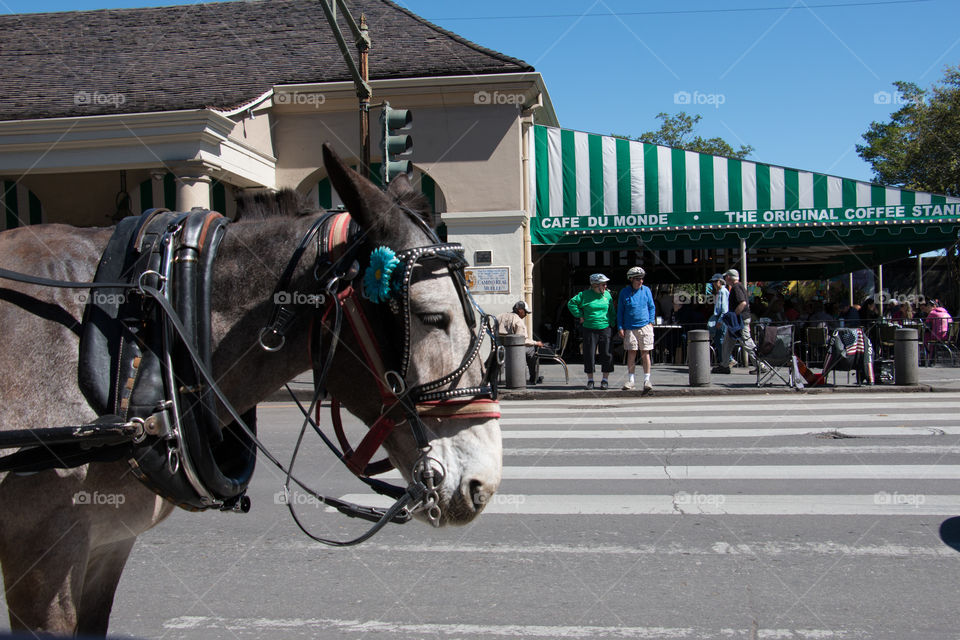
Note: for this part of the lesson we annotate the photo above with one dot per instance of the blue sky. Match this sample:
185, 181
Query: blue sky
800, 80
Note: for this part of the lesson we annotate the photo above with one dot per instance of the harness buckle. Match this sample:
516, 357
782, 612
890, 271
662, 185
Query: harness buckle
173, 460
161, 281
141, 431
395, 382
267, 347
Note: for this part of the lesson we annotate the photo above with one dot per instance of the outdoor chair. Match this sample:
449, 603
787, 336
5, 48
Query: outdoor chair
849, 350
947, 346
554, 352
816, 345
888, 339
776, 350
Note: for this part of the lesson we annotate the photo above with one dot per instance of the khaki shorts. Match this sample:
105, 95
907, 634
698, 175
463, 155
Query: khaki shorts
638, 339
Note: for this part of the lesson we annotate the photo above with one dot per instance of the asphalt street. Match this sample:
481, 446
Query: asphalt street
763, 516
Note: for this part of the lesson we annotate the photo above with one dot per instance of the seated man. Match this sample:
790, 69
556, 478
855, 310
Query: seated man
512, 324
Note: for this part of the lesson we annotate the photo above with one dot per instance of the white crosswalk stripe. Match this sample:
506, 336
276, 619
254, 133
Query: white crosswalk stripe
850, 454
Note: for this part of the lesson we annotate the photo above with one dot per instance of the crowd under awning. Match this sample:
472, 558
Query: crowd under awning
596, 192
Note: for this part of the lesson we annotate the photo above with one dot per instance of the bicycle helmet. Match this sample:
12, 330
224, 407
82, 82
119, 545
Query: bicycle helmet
598, 278
636, 272
521, 304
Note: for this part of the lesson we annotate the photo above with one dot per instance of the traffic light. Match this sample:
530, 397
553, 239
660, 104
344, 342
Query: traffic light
395, 144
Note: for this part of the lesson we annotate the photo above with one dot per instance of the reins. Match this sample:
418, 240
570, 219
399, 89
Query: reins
435, 399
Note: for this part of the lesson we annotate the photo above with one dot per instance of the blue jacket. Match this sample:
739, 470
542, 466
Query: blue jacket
635, 308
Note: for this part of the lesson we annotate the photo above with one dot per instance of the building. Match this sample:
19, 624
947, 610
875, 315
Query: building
185, 106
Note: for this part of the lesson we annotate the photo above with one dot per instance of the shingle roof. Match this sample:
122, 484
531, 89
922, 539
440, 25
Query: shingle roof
209, 55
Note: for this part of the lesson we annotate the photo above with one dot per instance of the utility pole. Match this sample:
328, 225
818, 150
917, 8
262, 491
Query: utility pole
361, 74
363, 47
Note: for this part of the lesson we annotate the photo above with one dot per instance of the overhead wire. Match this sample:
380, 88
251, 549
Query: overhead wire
621, 14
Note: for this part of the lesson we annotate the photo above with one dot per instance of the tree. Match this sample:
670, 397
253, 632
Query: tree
676, 131
918, 148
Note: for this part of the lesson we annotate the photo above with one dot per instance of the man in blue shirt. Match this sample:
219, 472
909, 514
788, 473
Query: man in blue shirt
721, 305
635, 315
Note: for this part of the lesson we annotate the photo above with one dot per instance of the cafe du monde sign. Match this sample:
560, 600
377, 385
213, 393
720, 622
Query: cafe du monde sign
587, 183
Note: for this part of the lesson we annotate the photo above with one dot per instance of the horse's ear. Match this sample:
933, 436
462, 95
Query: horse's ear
400, 186
363, 199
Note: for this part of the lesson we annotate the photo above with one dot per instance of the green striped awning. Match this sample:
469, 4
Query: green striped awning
20, 206
590, 185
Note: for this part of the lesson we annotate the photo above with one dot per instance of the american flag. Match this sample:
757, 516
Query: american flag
855, 348
853, 342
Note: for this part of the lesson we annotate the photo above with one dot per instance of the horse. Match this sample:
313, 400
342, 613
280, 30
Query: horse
62, 560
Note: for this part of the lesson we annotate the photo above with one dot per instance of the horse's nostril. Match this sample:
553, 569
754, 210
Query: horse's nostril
478, 495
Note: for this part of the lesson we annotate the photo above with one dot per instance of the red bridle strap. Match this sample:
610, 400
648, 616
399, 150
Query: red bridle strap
349, 301
358, 461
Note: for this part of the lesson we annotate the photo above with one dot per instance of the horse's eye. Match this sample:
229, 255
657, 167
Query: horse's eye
438, 320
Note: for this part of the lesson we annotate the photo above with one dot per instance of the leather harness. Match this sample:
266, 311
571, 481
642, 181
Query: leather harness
145, 356
134, 365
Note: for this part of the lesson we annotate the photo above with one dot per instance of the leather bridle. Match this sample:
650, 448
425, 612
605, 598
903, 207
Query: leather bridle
336, 267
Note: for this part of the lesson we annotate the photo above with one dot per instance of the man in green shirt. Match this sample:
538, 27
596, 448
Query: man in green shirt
594, 309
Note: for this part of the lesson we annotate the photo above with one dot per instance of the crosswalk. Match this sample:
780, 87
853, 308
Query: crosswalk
872, 454
809, 516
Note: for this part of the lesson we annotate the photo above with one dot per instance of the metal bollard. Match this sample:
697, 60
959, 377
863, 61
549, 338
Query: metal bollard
515, 364
906, 368
698, 357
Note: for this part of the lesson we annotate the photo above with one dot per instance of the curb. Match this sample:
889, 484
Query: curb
563, 393
707, 391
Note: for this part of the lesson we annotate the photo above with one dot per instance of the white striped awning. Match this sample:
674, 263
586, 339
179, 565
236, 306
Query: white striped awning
587, 184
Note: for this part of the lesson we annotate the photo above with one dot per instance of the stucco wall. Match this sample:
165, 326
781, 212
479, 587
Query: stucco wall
501, 233
471, 152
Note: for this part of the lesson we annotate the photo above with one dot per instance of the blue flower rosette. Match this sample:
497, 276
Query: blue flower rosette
377, 277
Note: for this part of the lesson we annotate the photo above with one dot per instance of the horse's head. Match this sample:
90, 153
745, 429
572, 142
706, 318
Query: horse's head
426, 330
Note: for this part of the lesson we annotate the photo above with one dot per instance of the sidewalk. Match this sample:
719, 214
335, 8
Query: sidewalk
672, 381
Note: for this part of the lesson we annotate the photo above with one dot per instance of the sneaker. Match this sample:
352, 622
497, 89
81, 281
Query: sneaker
604, 384
720, 369
589, 384
647, 385
627, 385
761, 369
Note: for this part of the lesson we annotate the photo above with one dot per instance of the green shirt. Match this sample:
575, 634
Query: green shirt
596, 309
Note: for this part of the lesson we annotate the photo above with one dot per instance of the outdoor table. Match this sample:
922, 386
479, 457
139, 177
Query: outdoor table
666, 338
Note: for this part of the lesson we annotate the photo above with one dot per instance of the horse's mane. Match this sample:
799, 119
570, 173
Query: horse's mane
263, 205
289, 203
415, 201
